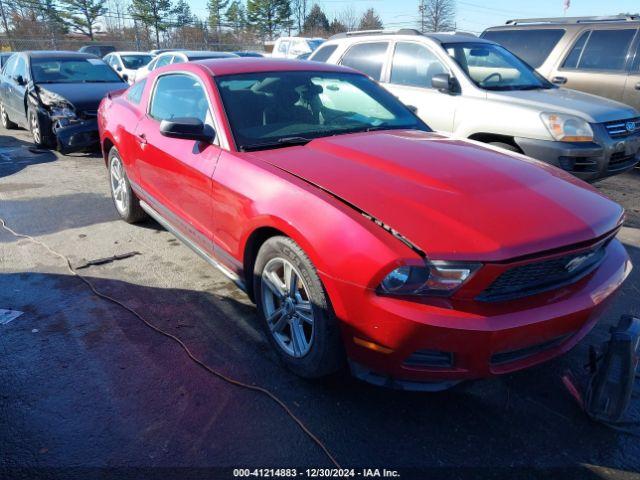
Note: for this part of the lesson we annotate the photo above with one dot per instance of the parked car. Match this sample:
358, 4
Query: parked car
127, 64
97, 50
248, 53
358, 232
175, 56
598, 55
474, 88
4, 57
293, 47
163, 50
56, 95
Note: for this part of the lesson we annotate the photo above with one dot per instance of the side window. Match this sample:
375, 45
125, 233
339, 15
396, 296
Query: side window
367, 57
323, 53
601, 50
177, 59
9, 66
134, 95
179, 96
414, 65
162, 61
531, 45
21, 68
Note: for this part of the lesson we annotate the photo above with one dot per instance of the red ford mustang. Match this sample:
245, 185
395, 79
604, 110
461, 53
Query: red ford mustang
359, 233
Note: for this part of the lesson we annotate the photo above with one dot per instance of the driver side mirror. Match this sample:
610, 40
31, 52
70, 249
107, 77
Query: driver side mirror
187, 129
20, 80
444, 83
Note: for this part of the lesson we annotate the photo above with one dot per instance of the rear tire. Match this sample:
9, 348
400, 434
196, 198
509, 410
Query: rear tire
4, 117
298, 320
126, 202
40, 132
506, 146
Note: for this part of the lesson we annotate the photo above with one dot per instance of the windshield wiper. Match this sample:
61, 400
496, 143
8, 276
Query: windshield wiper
281, 142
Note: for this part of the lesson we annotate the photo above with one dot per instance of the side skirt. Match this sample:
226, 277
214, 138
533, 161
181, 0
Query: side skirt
208, 258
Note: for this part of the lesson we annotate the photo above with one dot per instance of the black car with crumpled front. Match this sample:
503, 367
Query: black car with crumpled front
56, 95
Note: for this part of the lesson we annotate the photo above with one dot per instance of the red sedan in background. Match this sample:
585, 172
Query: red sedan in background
359, 233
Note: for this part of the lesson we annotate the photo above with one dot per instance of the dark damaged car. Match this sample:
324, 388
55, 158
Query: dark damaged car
55, 95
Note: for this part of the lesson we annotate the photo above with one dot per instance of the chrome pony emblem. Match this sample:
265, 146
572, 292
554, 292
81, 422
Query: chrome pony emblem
575, 263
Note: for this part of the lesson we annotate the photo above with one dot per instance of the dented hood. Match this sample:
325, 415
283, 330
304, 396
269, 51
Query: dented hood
83, 96
453, 199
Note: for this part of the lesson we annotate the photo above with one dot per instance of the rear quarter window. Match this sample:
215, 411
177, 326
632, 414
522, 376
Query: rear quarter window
532, 46
134, 94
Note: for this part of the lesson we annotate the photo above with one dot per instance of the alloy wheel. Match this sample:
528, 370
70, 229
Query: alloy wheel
4, 116
35, 128
287, 308
118, 185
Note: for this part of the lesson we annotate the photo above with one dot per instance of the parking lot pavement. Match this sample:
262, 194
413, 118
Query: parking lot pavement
84, 383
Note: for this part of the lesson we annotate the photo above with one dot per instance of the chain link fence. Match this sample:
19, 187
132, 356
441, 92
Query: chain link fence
23, 44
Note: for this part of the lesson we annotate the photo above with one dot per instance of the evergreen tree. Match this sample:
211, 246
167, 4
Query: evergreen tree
152, 14
269, 16
370, 21
337, 27
236, 16
182, 14
316, 23
216, 9
82, 15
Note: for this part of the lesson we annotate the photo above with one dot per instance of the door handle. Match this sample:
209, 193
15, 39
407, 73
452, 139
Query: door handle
142, 138
559, 80
637, 86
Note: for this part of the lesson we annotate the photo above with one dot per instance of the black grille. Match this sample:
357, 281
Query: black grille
537, 277
620, 160
620, 128
522, 353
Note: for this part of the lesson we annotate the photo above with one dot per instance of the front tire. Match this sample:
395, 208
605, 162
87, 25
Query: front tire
4, 117
126, 202
40, 132
295, 311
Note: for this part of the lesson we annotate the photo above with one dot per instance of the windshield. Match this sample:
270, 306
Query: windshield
313, 44
134, 62
72, 70
493, 67
295, 107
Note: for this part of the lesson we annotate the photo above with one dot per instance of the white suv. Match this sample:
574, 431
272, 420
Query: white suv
473, 88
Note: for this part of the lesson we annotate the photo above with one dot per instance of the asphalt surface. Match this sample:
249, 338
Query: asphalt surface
86, 385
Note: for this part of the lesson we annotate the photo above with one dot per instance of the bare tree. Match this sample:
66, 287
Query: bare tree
349, 18
437, 15
300, 11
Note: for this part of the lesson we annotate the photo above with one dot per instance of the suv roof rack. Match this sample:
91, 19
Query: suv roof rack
402, 31
565, 20
355, 33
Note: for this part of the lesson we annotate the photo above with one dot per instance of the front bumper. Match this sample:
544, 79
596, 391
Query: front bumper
479, 342
589, 161
79, 135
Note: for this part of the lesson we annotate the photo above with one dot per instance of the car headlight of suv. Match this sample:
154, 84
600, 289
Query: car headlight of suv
433, 278
567, 128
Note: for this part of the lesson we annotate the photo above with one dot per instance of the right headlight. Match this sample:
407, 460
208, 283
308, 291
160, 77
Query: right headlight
567, 128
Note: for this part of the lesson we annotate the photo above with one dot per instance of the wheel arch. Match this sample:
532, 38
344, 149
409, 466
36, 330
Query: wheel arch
486, 137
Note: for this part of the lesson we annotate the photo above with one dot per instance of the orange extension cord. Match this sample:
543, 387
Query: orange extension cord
196, 360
